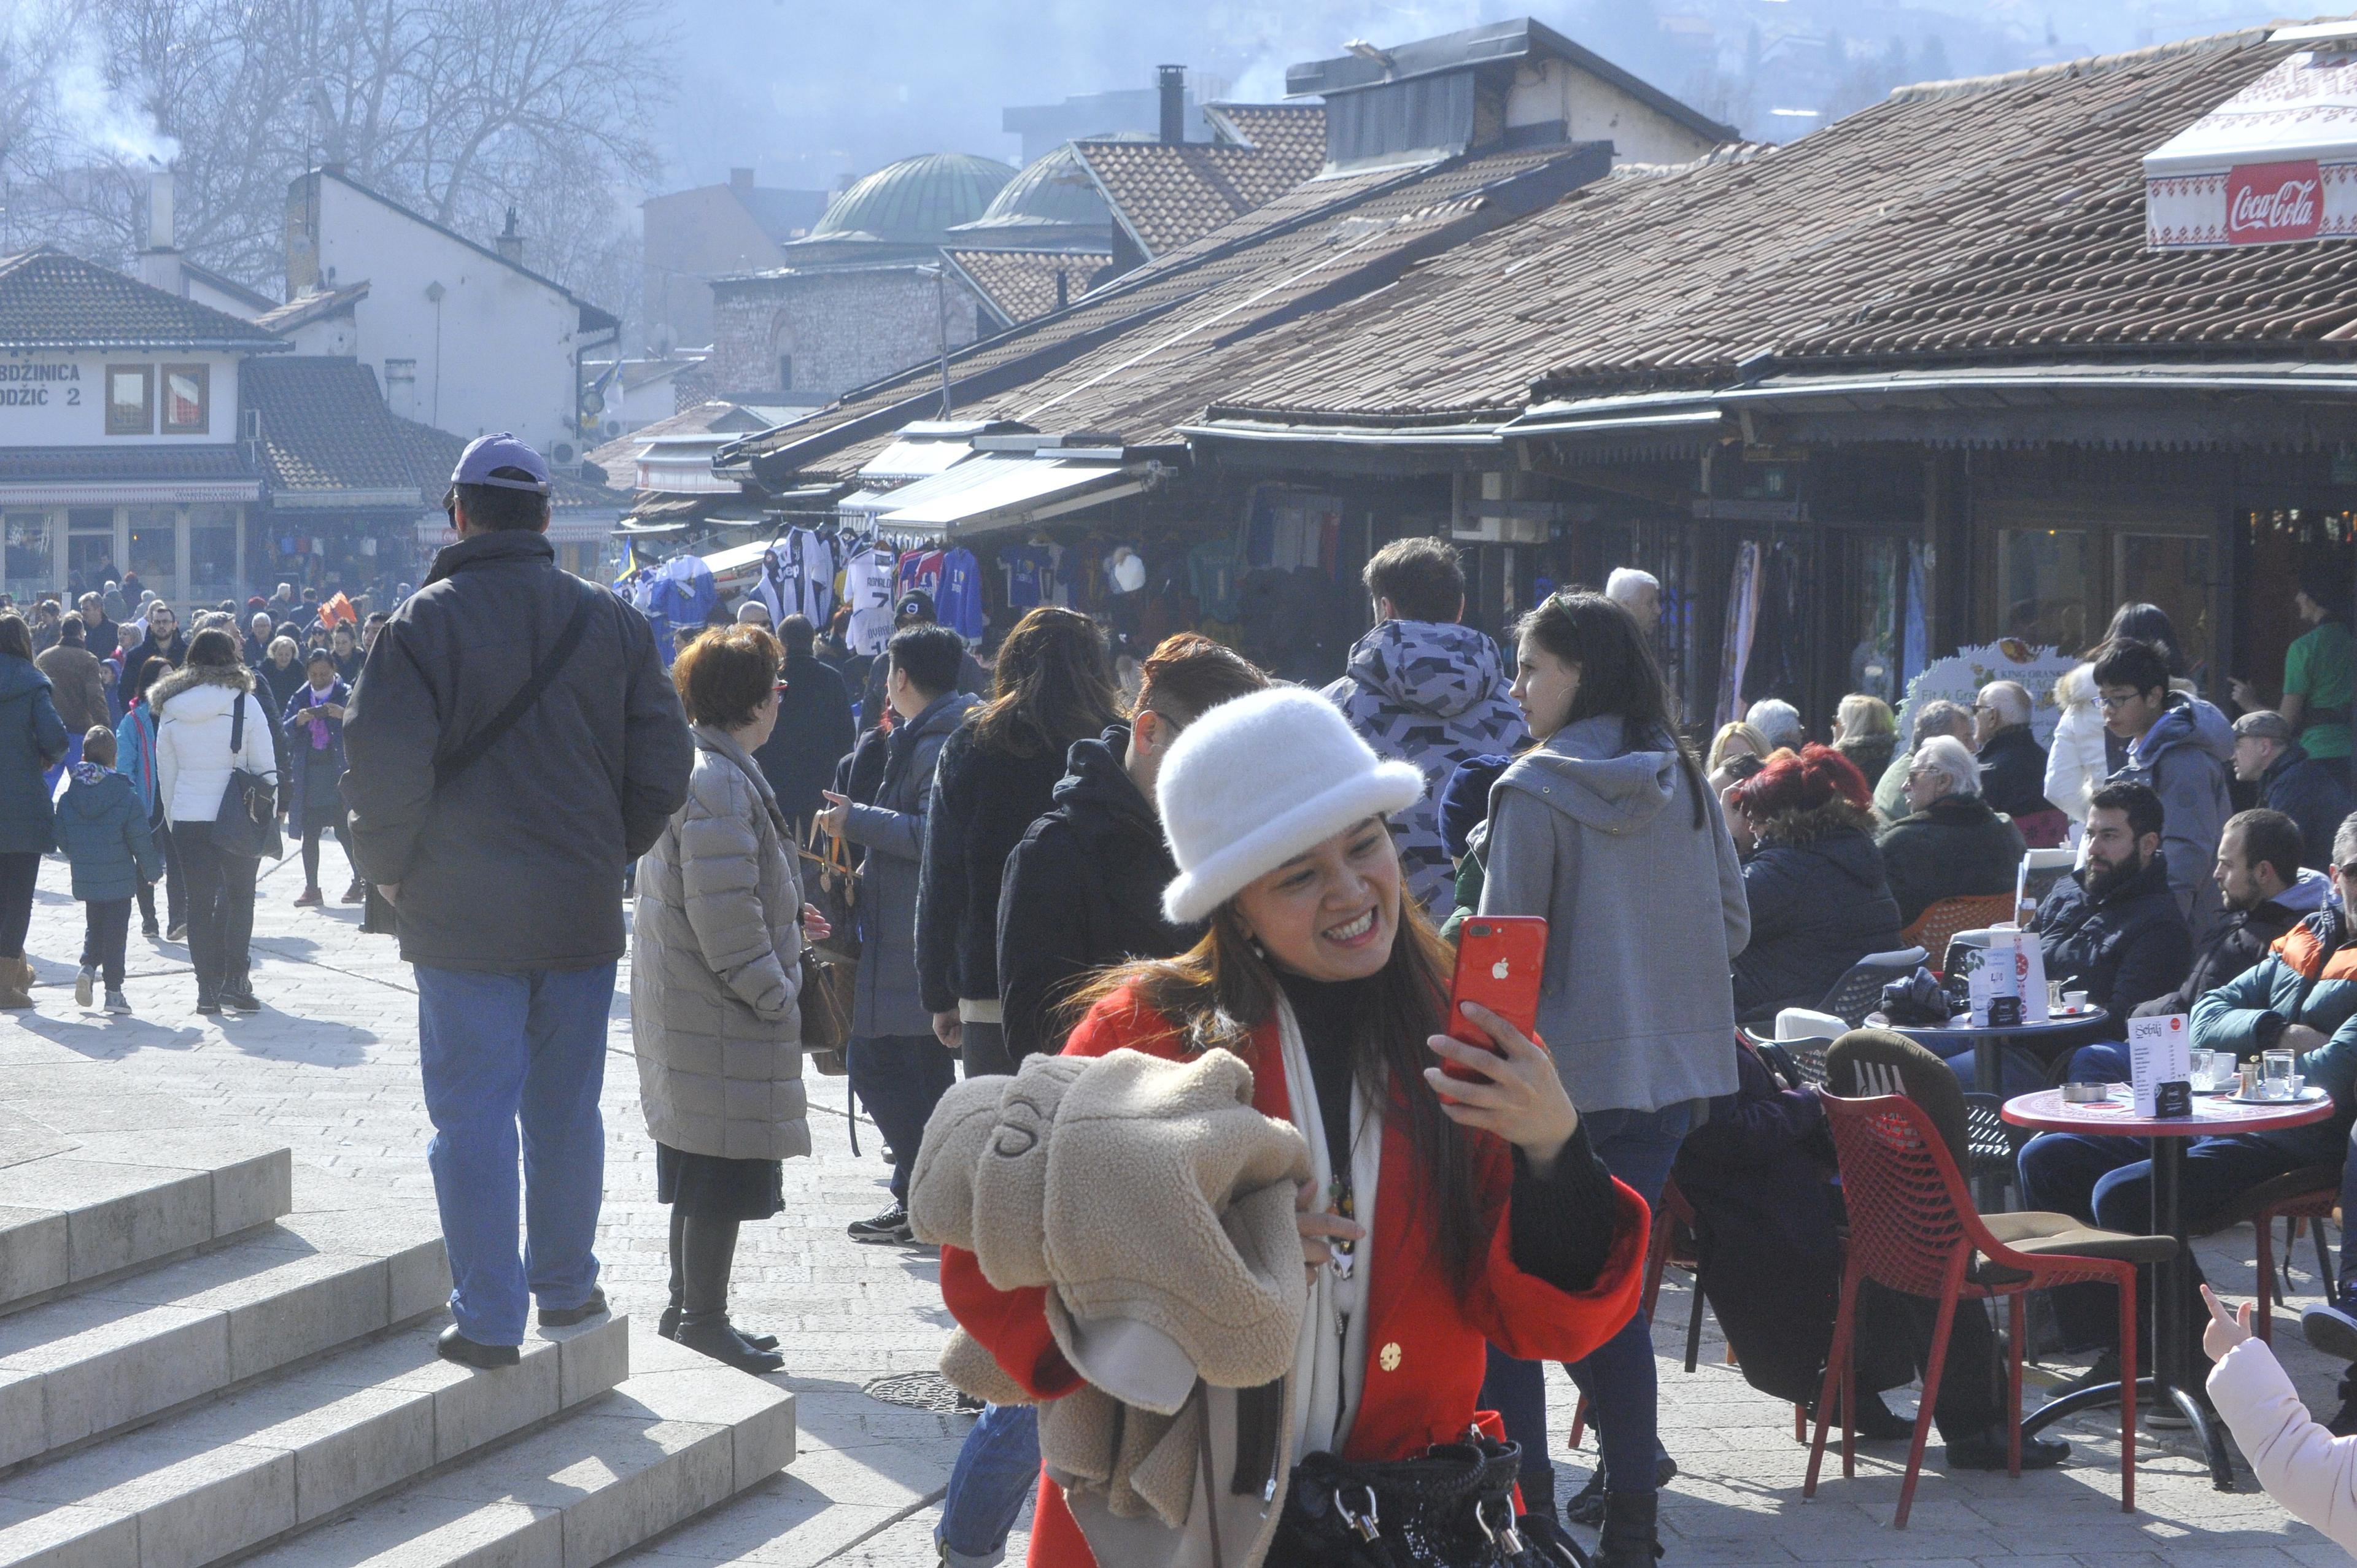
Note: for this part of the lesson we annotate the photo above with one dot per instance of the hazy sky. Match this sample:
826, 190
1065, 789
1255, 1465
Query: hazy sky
805, 91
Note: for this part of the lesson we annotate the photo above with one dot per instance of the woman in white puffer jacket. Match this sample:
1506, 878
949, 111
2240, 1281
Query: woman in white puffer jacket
196, 710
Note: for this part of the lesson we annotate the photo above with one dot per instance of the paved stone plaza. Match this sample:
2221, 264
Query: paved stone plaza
329, 1069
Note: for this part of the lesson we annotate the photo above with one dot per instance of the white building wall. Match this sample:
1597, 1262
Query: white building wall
1592, 110
59, 399
496, 351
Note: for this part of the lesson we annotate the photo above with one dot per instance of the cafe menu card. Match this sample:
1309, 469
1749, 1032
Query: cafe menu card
2160, 1051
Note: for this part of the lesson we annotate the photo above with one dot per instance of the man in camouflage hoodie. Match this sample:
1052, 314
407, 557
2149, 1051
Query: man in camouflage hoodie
1424, 689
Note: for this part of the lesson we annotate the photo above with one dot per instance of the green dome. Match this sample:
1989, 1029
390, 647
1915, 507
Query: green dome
1054, 193
916, 200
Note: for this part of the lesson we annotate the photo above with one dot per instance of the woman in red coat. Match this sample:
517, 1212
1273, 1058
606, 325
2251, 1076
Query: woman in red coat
1492, 1220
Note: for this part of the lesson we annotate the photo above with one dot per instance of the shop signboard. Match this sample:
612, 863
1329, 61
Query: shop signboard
2274, 164
1959, 677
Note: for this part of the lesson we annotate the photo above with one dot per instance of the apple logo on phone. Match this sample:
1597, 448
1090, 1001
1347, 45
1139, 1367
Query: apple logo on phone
1498, 970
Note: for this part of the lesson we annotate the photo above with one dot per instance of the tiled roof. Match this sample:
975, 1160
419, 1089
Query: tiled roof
325, 428
1021, 284
213, 463
1151, 348
312, 307
51, 300
1298, 129
619, 457
1166, 194
1994, 220
434, 455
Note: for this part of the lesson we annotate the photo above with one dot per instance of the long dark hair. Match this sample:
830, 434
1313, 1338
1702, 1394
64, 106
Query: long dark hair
1053, 685
1617, 674
2145, 623
1220, 990
15, 637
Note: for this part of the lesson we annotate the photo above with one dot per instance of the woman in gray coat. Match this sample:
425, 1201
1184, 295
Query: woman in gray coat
1606, 828
716, 975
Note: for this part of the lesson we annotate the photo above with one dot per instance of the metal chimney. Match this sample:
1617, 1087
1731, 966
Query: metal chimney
511, 242
1171, 80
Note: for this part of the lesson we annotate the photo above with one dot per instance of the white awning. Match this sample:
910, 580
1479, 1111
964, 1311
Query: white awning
908, 459
997, 491
2274, 164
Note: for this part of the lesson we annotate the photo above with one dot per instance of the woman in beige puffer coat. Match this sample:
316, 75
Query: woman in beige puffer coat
716, 974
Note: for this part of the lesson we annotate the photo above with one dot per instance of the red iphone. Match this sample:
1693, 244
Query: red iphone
1500, 961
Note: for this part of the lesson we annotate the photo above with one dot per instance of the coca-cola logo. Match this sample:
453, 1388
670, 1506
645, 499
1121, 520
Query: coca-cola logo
2269, 203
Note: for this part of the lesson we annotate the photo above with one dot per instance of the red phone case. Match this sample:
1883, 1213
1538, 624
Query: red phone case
1501, 960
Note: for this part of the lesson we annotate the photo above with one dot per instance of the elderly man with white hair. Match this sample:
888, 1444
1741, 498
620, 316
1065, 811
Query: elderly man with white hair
1951, 845
753, 612
1780, 721
1639, 593
2013, 765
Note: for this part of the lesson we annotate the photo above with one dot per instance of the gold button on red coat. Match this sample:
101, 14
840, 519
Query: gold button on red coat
1388, 1358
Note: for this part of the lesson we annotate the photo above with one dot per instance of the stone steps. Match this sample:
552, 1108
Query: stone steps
242, 1471
115, 1354
682, 1434
79, 1208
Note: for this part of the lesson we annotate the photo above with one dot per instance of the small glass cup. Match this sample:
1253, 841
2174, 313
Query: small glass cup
2274, 1074
2205, 1070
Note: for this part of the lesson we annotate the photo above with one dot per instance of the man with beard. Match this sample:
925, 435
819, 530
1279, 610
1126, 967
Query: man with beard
2113, 927
2302, 997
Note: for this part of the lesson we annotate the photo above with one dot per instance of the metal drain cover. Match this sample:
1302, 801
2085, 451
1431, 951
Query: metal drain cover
919, 1391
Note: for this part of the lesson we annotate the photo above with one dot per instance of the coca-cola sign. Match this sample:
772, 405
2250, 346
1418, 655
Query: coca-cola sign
2267, 204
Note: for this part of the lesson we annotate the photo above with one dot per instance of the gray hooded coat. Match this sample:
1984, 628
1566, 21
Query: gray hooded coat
1645, 913
2188, 758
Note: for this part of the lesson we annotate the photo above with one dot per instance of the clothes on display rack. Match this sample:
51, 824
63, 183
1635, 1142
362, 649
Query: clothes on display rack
869, 587
1215, 573
798, 575
957, 597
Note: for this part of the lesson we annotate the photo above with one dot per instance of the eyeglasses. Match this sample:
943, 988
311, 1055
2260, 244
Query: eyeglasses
2110, 704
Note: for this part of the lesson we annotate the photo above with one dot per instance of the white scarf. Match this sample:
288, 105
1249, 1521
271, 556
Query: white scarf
1329, 1367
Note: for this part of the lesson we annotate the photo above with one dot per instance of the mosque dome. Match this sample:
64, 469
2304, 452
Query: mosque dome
1052, 196
916, 200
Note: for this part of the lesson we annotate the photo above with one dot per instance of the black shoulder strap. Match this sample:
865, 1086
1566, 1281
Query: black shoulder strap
471, 749
237, 729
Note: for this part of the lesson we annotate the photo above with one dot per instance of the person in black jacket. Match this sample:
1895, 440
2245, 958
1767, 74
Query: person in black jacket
1819, 899
914, 608
814, 729
2112, 928
506, 878
997, 775
1951, 845
2315, 795
1085, 888
163, 641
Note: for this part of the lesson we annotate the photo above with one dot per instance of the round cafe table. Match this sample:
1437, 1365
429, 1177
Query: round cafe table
2214, 1116
1986, 1039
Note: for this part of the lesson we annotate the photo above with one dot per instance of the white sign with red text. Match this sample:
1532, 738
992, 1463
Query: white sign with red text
2275, 165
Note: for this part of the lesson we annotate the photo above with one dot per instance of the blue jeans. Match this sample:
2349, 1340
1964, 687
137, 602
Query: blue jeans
498, 1049
2109, 1182
996, 1470
1637, 1146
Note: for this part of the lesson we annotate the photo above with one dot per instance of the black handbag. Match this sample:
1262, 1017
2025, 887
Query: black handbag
1451, 1507
247, 824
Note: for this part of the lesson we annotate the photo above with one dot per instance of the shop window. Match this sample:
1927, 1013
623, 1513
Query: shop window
30, 565
188, 400
212, 554
130, 400
2173, 572
2045, 587
155, 548
90, 545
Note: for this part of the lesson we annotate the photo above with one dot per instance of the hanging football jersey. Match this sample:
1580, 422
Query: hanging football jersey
869, 588
959, 600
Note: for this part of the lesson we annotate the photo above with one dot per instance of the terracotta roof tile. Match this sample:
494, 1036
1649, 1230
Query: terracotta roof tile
1021, 285
1166, 194
49, 299
326, 428
1298, 129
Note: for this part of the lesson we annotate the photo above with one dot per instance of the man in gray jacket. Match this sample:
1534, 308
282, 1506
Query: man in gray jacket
510, 745
898, 1069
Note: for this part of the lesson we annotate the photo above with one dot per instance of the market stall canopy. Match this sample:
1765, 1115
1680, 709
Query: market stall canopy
996, 490
2275, 164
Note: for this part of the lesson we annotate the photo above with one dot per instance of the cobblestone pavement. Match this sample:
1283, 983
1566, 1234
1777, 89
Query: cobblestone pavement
330, 1067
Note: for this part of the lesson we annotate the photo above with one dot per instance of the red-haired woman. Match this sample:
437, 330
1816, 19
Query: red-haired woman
1491, 1220
1819, 899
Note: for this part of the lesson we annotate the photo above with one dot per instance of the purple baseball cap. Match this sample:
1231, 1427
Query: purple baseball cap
501, 450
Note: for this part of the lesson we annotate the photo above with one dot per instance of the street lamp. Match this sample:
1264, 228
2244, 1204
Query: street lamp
939, 274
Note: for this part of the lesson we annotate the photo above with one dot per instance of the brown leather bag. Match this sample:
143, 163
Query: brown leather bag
830, 968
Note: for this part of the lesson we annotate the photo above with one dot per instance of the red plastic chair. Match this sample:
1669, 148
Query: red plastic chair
1913, 1229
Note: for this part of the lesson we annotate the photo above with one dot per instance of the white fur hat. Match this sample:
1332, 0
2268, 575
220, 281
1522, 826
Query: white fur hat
1259, 779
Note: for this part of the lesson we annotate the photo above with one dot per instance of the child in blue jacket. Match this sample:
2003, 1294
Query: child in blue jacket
103, 826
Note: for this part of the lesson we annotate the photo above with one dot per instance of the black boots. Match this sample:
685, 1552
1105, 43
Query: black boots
1632, 1537
703, 1251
